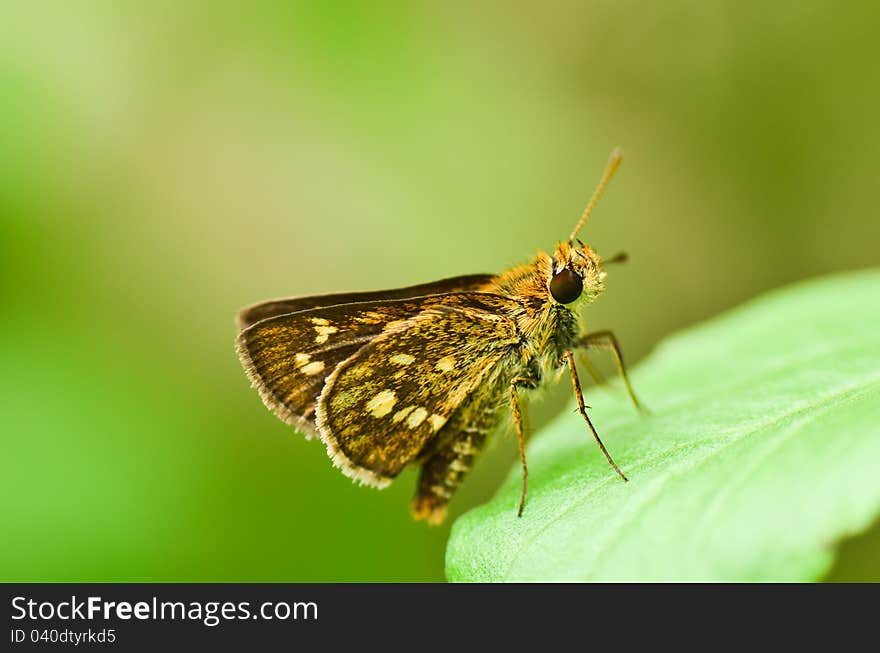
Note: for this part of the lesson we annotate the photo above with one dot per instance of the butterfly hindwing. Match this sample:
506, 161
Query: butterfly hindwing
382, 406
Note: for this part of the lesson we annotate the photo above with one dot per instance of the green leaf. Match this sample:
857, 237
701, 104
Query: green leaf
761, 453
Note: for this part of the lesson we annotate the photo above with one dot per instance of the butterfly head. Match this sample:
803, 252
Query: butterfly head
577, 272
576, 275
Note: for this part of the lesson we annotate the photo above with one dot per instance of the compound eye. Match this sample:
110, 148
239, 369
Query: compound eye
566, 286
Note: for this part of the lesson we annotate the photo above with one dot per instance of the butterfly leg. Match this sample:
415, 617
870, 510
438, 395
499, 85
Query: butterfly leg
443, 472
607, 340
520, 381
582, 409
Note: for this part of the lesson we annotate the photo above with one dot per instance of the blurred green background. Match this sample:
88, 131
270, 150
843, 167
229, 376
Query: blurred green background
163, 165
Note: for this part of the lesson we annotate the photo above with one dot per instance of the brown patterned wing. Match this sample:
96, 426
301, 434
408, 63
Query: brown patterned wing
384, 405
253, 314
288, 357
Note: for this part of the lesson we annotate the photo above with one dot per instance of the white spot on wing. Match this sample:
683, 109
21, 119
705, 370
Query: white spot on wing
437, 421
402, 359
323, 332
313, 368
446, 364
416, 417
382, 403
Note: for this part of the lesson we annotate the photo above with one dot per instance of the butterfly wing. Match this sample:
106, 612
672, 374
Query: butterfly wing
381, 407
253, 314
288, 357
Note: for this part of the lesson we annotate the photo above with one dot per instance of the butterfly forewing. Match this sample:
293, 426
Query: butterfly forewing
382, 406
289, 356
253, 314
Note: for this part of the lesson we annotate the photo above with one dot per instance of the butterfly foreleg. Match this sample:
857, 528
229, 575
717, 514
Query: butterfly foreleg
607, 340
582, 409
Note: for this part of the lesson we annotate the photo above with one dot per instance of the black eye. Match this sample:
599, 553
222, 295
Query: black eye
566, 286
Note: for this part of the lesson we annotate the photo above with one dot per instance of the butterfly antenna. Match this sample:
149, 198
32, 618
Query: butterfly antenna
614, 162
